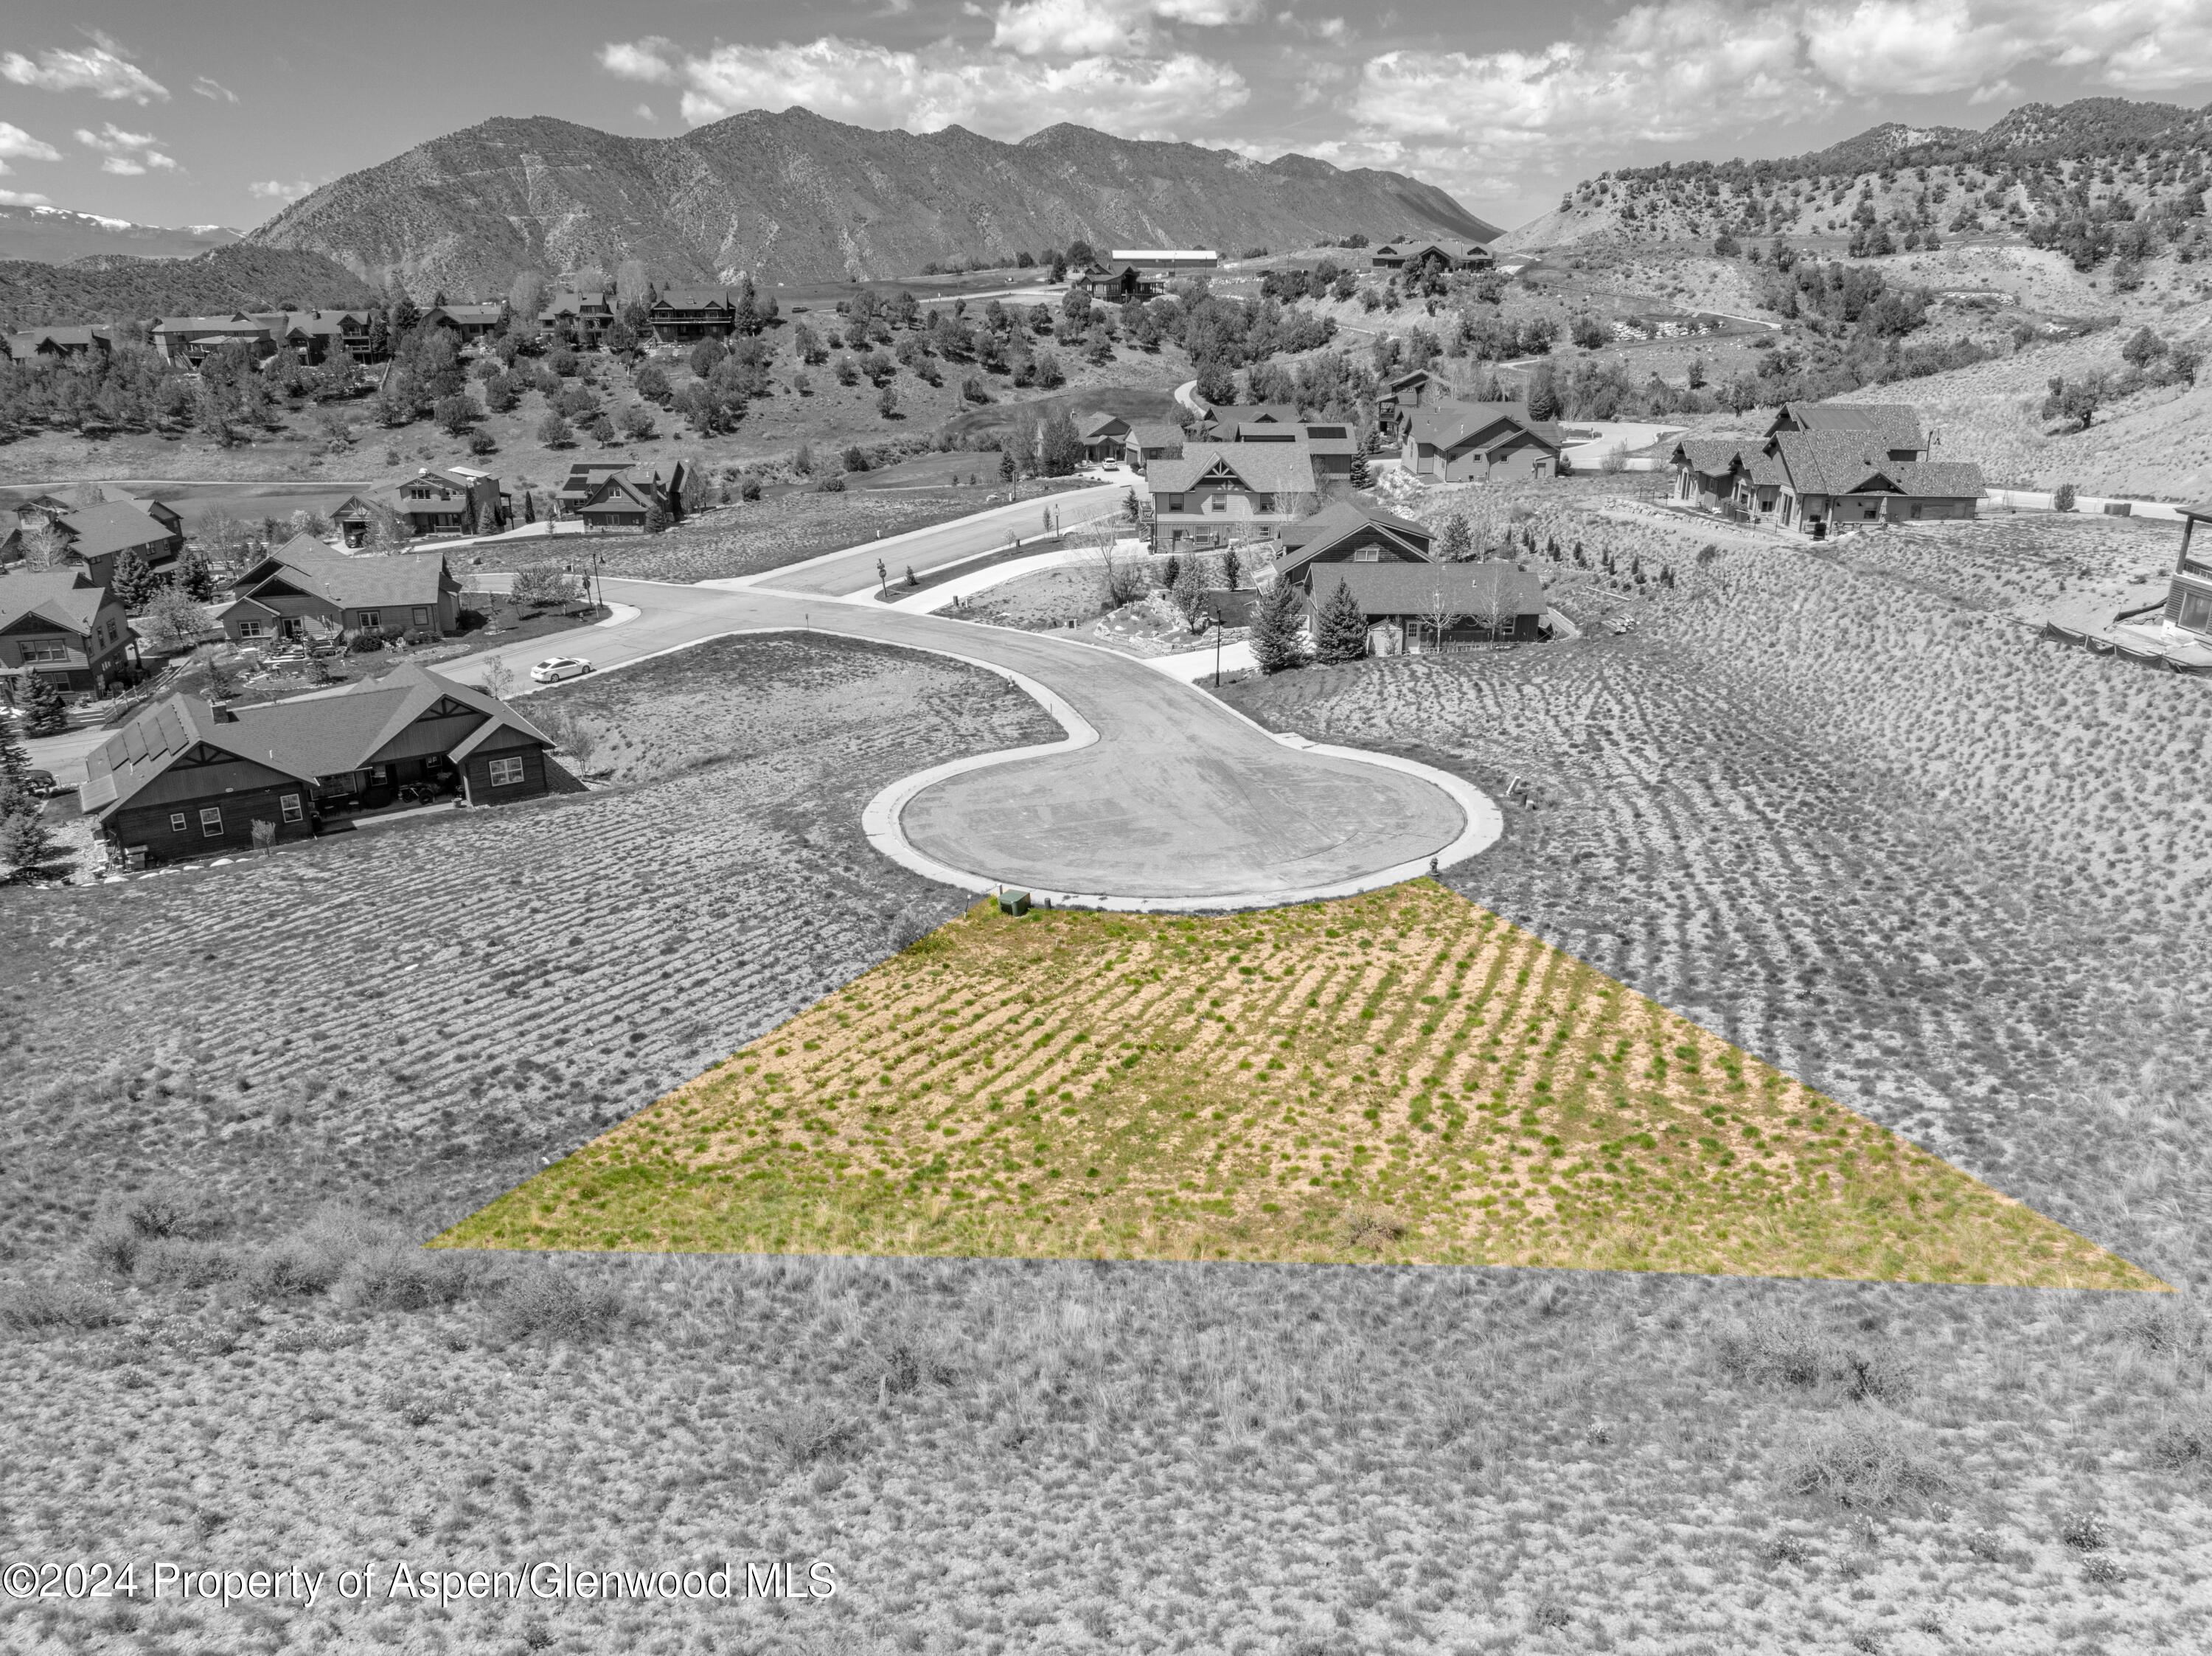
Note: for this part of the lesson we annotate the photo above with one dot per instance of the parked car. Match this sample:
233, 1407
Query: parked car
41, 782
554, 669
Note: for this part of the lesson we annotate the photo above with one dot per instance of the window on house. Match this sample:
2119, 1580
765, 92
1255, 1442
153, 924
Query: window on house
1368, 554
177, 822
44, 649
290, 804
255, 629
2196, 611
371, 619
421, 617
211, 821
506, 772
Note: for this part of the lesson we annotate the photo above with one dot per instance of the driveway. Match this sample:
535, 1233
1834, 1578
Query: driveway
1159, 796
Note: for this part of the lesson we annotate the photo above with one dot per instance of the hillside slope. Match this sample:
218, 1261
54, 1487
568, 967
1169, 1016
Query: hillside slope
2037, 161
793, 198
241, 277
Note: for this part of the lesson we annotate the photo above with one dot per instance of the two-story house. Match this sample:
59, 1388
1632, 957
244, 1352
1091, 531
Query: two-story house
1345, 531
305, 590
454, 500
1220, 493
681, 315
1826, 467
588, 312
1469, 442
469, 324
185, 779
58, 625
94, 537
637, 499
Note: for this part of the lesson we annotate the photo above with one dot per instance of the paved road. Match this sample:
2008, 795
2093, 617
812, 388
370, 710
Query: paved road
839, 574
1161, 796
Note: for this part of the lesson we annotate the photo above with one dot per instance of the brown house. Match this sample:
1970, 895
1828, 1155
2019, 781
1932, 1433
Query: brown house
1415, 607
305, 590
1826, 467
1105, 437
184, 778
1332, 443
1345, 531
58, 344
1152, 440
55, 625
1412, 251
637, 500
1463, 442
1218, 494
679, 315
456, 500
94, 537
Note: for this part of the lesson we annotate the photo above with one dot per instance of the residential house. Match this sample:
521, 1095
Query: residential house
1332, 444
472, 323
1892, 428
1222, 424
586, 312
315, 336
1825, 467
58, 344
1417, 389
638, 500
1104, 436
58, 625
1416, 607
2188, 589
94, 537
1119, 281
1463, 442
1411, 253
355, 518
184, 778
1218, 494
1152, 439
306, 590
456, 500
680, 315
1347, 532
189, 341
583, 482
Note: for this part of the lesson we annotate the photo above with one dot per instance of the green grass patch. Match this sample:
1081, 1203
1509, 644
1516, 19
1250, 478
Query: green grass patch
1402, 1076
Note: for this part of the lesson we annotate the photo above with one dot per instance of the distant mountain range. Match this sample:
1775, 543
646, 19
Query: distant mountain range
2020, 157
793, 198
54, 235
111, 287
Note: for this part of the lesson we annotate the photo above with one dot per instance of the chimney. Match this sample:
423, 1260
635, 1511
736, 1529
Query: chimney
225, 716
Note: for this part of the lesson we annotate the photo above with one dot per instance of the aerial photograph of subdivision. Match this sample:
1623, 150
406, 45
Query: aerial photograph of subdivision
1105, 828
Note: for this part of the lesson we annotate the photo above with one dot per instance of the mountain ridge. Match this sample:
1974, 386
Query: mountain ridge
55, 235
793, 197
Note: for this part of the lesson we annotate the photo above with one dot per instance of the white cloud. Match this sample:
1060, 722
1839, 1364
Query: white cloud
276, 189
24, 198
99, 69
15, 145
215, 91
1076, 28
644, 112
126, 154
1003, 94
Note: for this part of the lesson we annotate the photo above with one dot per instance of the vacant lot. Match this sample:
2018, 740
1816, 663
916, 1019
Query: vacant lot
413, 1009
1397, 1076
744, 540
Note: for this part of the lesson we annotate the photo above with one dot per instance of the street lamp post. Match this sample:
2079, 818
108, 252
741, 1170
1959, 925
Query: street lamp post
1217, 644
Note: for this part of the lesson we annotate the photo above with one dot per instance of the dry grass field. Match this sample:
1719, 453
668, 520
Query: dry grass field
748, 538
1395, 1076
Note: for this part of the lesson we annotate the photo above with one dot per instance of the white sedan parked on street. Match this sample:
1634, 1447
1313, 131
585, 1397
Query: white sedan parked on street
554, 669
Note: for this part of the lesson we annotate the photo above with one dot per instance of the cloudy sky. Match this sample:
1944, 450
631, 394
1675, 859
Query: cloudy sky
176, 113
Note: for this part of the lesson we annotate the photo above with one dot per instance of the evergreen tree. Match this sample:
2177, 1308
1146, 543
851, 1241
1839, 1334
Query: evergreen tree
1276, 644
47, 715
1458, 539
1340, 627
132, 582
1359, 478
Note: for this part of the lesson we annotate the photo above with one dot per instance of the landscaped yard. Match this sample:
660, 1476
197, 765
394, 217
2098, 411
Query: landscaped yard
1398, 1076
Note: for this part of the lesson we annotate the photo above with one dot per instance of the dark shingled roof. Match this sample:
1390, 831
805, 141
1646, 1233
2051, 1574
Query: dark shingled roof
1414, 589
110, 526
1265, 468
1447, 427
1341, 518
359, 582
1856, 463
63, 597
311, 737
1709, 455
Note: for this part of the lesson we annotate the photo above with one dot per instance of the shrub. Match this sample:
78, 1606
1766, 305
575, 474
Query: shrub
549, 1305
1867, 1458
2085, 1531
816, 1431
174, 1263
36, 1308
2061, 498
395, 1276
833, 484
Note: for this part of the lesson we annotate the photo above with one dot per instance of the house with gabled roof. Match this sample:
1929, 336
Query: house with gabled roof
583, 482
189, 341
1418, 388
94, 537
58, 344
471, 323
1222, 424
587, 312
1469, 442
1348, 531
1332, 444
1152, 440
305, 590
188, 779
637, 500
1453, 252
1218, 494
1103, 436
1424, 606
1894, 427
451, 500
1826, 467
58, 625
681, 315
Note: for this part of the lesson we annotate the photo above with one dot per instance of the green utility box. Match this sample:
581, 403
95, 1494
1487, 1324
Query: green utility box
1013, 902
